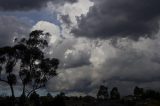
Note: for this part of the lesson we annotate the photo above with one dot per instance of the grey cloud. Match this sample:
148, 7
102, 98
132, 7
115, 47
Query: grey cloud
72, 59
132, 65
76, 59
72, 80
11, 27
66, 20
71, 52
20, 5
120, 18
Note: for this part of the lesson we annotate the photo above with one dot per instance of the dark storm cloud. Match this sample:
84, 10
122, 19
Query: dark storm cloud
11, 5
66, 19
11, 27
122, 18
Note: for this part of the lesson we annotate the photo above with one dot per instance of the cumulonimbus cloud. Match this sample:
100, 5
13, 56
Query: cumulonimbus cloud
21, 5
120, 18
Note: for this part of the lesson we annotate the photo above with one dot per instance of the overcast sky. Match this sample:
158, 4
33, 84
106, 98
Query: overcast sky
110, 42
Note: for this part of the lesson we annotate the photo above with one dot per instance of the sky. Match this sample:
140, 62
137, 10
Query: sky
110, 42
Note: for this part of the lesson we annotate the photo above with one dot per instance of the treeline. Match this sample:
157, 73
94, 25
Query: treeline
144, 94
34, 100
138, 93
103, 96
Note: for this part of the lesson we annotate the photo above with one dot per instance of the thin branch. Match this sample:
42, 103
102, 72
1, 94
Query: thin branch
34, 90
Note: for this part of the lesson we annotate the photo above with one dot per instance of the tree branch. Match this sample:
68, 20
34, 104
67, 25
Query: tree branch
34, 90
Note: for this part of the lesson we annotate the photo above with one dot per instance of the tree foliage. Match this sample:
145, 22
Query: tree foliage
8, 60
102, 93
115, 95
35, 69
138, 92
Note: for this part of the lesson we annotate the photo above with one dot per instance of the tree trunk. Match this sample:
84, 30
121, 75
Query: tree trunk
13, 96
23, 93
12, 90
23, 97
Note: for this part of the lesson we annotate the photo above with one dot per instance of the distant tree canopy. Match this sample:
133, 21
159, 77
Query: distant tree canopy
152, 94
102, 93
34, 68
138, 92
115, 95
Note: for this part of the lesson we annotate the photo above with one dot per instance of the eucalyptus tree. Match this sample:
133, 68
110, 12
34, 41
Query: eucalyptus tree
35, 69
8, 60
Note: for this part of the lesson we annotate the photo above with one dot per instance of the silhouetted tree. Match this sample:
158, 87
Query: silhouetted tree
35, 68
8, 60
152, 94
115, 95
138, 92
102, 92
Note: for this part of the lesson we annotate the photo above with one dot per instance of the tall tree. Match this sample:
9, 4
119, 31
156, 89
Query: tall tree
8, 60
35, 69
102, 93
138, 92
115, 95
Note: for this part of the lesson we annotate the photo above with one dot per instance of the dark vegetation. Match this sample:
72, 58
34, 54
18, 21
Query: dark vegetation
139, 97
35, 69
